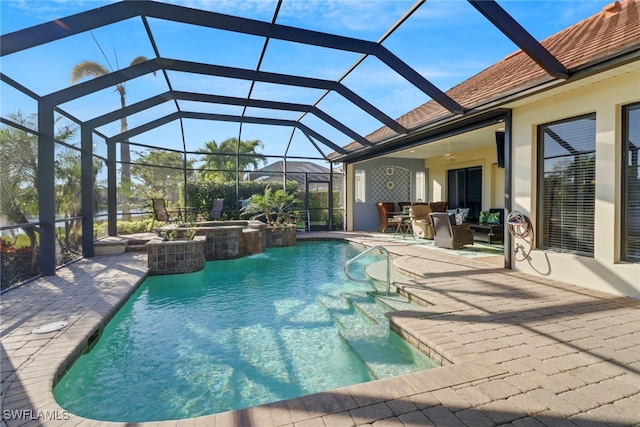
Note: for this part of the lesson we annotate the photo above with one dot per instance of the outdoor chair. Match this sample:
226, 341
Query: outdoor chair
448, 235
402, 205
438, 206
421, 221
216, 210
160, 212
385, 216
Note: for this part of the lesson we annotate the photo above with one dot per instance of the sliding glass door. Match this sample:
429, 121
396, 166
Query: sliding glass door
464, 190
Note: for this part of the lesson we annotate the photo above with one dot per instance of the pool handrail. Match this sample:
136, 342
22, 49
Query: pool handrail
361, 254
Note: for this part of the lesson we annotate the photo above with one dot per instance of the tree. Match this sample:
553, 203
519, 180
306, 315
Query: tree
220, 161
87, 69
19, 183
163, 177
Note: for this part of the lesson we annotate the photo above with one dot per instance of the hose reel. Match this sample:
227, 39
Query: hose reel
520, 227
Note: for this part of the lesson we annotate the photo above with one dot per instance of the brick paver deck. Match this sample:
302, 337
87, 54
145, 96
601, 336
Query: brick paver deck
516, 350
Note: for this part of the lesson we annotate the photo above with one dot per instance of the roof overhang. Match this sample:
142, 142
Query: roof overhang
490, 111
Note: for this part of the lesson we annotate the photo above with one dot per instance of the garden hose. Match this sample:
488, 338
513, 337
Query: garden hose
520, 227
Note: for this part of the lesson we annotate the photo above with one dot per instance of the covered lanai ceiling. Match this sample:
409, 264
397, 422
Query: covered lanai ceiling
212, 76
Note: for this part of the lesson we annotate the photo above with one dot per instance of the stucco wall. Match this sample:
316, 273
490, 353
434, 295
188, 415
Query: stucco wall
604, 271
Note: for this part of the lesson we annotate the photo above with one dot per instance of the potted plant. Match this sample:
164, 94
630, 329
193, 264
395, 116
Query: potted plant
276, 209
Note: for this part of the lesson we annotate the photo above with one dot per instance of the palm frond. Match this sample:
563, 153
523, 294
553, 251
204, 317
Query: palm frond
138, 60
86, 69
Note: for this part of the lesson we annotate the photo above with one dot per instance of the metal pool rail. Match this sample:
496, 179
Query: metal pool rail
352, 260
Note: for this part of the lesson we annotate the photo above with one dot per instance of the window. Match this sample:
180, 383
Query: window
631, 184
464, 189
566, 185
420, 187
360, 186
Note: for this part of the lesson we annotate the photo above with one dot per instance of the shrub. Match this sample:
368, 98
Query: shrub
131, 227
18, 263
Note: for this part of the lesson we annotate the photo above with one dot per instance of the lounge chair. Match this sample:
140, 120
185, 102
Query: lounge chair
160, 212
447, 235
216, 210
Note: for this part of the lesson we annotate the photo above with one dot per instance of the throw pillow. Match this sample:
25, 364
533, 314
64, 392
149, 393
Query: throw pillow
465, 213
493, 218
459, 218
452, 219
483, 217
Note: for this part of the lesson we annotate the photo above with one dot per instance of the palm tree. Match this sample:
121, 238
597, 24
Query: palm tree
220, 160
275, 207
87, 69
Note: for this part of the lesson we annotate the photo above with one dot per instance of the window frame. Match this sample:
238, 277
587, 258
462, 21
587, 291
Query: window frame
421, 180
625, 189
542, 225
360, 186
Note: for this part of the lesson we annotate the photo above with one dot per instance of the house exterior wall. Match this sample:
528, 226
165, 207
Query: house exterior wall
363, 216
604, 271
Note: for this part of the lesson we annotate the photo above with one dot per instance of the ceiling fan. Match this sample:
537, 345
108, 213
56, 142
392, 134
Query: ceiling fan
449, 155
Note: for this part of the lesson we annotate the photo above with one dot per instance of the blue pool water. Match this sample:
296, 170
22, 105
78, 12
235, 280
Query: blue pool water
239, 333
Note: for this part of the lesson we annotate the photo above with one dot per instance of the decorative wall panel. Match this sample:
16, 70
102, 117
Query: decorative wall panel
390, 184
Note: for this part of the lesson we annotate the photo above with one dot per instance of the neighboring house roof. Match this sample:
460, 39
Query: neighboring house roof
612, 32
295, 171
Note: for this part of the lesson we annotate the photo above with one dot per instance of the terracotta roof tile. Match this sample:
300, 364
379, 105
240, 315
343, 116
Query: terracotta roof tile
597, 37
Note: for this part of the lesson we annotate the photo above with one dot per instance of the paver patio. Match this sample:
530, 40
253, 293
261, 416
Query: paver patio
515, 349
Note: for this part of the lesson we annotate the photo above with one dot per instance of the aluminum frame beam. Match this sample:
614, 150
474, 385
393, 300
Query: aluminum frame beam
226, 100
223, 118
103, 82
85, 21
517, 34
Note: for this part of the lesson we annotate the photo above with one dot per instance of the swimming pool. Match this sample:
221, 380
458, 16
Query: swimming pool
239, 333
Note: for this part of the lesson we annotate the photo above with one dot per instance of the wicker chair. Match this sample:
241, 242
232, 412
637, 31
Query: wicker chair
421, 221
447, 235
385, 215
438, 206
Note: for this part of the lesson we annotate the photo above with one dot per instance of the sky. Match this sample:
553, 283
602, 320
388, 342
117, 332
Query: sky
445, 41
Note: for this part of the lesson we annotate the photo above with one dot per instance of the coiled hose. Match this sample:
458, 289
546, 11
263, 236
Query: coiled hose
520, 227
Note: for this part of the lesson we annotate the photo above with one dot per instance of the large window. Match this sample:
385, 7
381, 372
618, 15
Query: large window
631, 184
566, 186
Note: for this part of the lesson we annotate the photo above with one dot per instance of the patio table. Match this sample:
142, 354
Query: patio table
403, 226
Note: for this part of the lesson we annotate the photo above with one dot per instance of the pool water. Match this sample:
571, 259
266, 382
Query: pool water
240, 333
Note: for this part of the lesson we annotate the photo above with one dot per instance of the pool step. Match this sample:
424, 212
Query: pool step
377, 272
342, 309
385, 353
364, 327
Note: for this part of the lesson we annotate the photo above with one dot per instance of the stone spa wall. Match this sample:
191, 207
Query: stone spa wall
213, 240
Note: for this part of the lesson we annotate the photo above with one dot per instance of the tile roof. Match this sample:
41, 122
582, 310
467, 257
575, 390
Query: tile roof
610, 32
